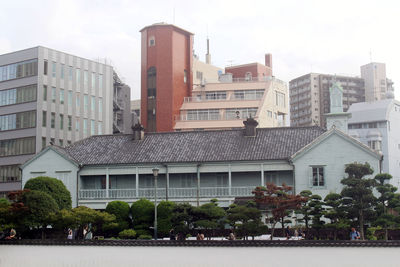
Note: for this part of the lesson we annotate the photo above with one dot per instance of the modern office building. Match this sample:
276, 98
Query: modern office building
49, 97
309, 97
123, 119
376, 83
377, 124
135, 107
224, 105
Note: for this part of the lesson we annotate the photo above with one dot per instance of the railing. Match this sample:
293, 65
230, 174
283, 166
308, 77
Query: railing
172, 192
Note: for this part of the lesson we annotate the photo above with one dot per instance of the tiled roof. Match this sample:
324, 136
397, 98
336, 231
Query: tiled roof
196, 146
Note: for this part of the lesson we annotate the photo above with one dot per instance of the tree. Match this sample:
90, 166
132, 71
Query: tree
305, 208
164, 217
316, 212
336, 213
121, 211
208, 216
87, 216
278, 200
385, 202
52, 186
182, 218
142, 215
357, 192
5, 215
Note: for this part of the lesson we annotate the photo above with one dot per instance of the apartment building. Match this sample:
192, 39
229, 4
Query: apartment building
309, 97
376, 83
49, 97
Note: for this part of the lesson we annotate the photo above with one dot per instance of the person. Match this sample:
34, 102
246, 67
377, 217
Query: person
231, 235
287, 231
296, 233
200, 236
13, 234
172, 235
354, 235
69, 234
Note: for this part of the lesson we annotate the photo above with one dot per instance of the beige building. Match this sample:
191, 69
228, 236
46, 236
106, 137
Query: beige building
225, 105
376, 84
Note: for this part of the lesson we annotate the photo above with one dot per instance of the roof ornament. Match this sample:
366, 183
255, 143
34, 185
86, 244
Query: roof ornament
250, 126
138, 132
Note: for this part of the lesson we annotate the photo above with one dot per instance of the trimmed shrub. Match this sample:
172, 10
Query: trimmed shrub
120, 209
164, 216
142, 214
127, 234
145, 237
52, 186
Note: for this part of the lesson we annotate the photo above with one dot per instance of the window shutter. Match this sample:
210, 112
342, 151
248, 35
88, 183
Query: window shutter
310, 176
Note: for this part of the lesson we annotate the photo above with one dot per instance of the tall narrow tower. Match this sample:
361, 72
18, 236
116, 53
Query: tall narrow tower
166, 75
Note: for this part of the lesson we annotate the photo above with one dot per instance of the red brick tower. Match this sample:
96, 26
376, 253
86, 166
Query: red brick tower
166, 76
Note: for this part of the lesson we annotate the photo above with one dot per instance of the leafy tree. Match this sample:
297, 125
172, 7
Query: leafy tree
357, 192
208, 215
385, 202
278, 200
164, 217
5, 214
97, 219
182, 218
336, 213
316, 212
52, 186
305, 208
127, 234
142, 214
121, 211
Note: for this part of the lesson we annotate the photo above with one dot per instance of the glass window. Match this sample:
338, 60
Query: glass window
85, 103
93, 80
21, 146
240, 113
10, 173
61, 141
44, 118
78, 76
203, 114
45, 67
93, 104
216, 95
62, 71
70, 73
19, 120
70, 98
280, 99
92, 127
43, 142
78, 101
85, 77
44, 92
18, 70
53, 120
61, 121
53, 94
318, 176
100, 107
61, 96
18, 95
85, 126
77, 125
53, 69
100, 128
100, 81
69, 123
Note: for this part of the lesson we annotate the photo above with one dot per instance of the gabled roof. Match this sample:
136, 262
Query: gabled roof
59, 150
194, 146
325, 135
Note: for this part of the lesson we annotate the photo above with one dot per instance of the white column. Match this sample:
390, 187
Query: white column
262, 175
107, 182
137, 182
198, 186
229, 180
167, 182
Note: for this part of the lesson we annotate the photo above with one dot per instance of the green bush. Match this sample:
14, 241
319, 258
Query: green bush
140, 232
145, 237
52, 186
164, 216
41, 206
127, 234
142, 214
120, 209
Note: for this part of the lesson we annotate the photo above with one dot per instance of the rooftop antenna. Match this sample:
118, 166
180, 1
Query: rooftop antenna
370, 56
173, 16
230, 61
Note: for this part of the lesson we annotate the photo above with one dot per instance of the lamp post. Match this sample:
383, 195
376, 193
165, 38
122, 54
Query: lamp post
155, 174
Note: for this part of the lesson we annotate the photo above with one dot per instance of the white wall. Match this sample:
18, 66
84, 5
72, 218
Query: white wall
52, 164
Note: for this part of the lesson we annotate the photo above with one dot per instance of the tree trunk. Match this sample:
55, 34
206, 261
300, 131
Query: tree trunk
386, 233
273, 230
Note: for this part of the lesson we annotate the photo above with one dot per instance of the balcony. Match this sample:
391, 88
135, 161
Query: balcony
189, 193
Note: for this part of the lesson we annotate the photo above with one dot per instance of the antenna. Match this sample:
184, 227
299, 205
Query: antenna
370, 56
173, 16
230, 61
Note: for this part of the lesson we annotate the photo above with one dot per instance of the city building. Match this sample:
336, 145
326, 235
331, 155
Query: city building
377, 124
197, 166
224, 105
252, 70
309, 97
135, 107
123, 119
376, 83
49, 97
166, 74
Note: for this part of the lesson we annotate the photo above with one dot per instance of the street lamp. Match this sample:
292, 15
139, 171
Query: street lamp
155, 174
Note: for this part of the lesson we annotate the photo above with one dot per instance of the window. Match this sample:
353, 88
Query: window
100, 107
185, 76
99, 126
248, 94
85, 126
69, 123
151, 99
61, 121
199, 75
240, 113
280, 99
61, 96
248, 76
93, 80
44, 118
69, 142
216, 95
78, 76
92, 127
62, 71
19, 120
85, 103
269, 113
53, 120
52, 141
61, 142
78, 101
77, 125
44, 92
203, 114
152, 41
53, 69
70, 98
70, 73
18, 70
20, 146
53, 94
18, 95
45, 67
375, 145
85, 77
100, 81
93, 104
10, 173
43, 142
318, 176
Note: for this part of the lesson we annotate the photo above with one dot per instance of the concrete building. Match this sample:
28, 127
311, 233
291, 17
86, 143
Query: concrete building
252, 71
47, 96
376, 83
377, 124
135, 107
309, 97
197, 166
123, 119
224, 105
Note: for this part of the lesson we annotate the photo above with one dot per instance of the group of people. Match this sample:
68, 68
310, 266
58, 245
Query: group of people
298, 233
12, 234
200, 236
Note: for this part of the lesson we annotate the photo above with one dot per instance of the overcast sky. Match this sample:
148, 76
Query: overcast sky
303, 36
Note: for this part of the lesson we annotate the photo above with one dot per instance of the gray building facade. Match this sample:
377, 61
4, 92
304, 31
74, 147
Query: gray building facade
47, 96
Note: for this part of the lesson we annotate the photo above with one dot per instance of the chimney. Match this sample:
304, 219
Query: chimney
250, 127
268, 61
208, 56
138, 132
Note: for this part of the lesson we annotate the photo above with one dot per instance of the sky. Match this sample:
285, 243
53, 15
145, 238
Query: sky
333, 37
